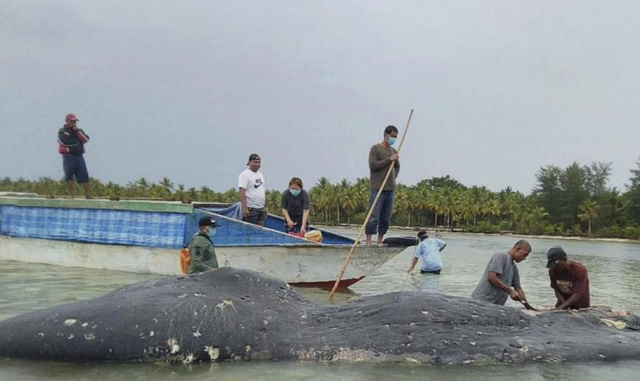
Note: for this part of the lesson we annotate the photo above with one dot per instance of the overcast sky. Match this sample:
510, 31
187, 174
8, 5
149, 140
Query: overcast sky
188, 90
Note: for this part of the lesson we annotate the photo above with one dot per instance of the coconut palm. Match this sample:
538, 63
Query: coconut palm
167, 186
491, 208
533, 219
590, 211
192, 195
143, 185
273, 200
437, 203
350, 201
477, 198
401, 202
206, 194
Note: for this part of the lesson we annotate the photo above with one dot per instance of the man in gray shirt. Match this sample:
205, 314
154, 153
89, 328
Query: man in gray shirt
501, 278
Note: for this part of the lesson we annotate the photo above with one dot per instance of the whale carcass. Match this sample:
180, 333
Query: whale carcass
234, 314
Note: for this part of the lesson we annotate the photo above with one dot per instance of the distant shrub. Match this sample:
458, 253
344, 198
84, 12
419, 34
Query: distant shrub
576, 230
631, 232
504, 225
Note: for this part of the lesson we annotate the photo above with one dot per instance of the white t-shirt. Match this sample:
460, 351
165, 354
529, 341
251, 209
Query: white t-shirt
253, 183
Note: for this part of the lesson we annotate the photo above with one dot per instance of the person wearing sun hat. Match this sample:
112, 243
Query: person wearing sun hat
203, 254
569, 280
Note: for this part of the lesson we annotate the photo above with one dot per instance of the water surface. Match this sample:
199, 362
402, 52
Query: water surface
614, 269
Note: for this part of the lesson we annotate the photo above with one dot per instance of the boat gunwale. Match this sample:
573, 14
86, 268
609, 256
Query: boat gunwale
304, 241
100, 204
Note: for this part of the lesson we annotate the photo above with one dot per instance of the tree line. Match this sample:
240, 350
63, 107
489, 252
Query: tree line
571, 201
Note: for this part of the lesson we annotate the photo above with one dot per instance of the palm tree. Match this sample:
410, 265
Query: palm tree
321, 196
466, 206
452, 204
273, 199
192, 194
492, 208
533, 219
401, 203
180, 192
113, 190
338, 192
167, 186
477, 196
417, 202
590, 211
513, 206
230, 196
350, 201
437, 203
206, 194
143, 186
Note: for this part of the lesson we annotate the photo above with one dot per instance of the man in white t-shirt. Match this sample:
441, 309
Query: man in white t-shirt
252, 192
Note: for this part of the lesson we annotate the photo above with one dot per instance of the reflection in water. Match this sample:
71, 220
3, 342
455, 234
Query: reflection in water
614, 270
20, 370
28, 287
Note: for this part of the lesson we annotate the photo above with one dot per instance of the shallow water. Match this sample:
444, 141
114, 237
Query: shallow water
614, 269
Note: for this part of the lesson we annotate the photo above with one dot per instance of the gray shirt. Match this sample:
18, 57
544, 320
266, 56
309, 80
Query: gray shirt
379, 164
295, 205
505, 267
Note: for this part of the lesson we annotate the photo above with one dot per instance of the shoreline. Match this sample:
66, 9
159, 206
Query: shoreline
447, 232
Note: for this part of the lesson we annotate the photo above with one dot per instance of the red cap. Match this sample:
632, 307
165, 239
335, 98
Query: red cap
71, 117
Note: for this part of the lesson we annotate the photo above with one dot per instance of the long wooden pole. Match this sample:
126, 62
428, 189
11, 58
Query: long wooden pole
371, 209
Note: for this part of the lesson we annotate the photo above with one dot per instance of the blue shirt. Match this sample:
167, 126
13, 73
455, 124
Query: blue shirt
429, 253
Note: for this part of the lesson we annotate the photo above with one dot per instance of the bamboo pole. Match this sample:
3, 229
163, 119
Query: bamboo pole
371, 208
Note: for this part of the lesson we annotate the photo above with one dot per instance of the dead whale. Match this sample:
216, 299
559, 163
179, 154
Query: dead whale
234, 314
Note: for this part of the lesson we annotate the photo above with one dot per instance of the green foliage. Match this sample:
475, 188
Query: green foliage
552, 229
569, 201
484, 227
631, 232
576, 231
632, 197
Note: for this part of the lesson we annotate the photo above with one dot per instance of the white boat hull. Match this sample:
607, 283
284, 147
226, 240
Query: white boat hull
312, 265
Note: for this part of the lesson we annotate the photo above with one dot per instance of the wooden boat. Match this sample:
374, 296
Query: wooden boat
146, 237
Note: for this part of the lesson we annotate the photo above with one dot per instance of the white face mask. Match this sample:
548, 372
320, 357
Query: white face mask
391, 140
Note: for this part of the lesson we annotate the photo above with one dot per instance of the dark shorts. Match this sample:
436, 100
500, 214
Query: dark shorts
256, 215
436, 272
74, 166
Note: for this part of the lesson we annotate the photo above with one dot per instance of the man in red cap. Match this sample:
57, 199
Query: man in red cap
71, 140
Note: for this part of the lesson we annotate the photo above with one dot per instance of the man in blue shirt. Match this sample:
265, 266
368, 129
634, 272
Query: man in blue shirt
429, 251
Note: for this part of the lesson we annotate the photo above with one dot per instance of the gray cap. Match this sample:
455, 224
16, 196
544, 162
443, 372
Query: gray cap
555, 254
